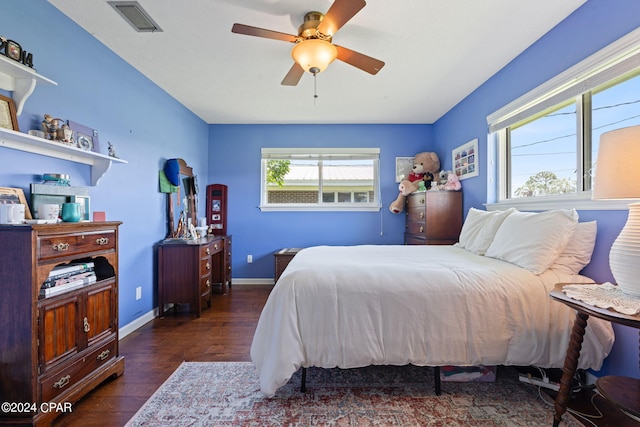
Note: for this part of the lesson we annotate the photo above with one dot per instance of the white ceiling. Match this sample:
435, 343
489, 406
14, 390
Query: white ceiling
436, 53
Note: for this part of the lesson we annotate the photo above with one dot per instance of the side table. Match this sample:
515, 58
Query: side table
621, 391
282, 258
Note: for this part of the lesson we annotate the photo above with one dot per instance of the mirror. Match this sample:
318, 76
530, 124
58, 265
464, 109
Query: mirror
182, 205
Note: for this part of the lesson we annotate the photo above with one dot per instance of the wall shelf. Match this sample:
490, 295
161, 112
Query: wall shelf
99, 163
20, 79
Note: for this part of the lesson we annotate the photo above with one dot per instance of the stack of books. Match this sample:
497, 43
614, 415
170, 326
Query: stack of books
68, 277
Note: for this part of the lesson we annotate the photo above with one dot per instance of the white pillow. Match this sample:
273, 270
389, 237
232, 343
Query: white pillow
533, 240
578, 252
479, 229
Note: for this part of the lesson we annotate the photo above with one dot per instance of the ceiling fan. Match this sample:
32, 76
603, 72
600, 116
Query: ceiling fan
313, 50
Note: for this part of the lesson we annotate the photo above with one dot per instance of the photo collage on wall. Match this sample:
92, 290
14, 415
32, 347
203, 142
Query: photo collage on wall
465, 160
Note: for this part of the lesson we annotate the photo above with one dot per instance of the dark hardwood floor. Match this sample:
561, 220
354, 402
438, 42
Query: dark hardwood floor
223, 333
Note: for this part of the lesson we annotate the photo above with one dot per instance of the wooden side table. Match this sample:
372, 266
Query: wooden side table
621, 391
282, 258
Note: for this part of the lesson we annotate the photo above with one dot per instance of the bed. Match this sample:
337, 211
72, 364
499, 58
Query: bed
472, 303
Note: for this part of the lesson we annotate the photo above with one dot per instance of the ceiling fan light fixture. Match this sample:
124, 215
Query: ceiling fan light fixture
314, 54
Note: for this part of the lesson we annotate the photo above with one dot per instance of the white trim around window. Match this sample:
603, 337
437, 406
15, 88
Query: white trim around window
320, 154
618, 58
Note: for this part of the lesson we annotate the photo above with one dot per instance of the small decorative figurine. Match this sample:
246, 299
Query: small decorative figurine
112, 150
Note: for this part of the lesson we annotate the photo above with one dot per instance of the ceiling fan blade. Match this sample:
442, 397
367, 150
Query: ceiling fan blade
338, 14
293, 76
261, 32
359, 60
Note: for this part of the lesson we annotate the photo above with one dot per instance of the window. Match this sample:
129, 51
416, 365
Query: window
320, 179
547, 141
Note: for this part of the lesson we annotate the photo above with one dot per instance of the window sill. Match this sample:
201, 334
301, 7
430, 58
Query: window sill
317, 208
579, 202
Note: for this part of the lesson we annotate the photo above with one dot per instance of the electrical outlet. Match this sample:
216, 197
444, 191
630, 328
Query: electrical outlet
138, 292
249, 259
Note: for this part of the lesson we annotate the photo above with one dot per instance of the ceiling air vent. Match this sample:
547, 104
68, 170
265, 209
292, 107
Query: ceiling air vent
135, 15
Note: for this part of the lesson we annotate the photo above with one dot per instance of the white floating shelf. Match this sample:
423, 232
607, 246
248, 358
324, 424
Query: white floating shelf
20, 79
99, 163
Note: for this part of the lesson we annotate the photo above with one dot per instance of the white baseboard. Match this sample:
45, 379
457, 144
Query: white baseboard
149, 316
137, 323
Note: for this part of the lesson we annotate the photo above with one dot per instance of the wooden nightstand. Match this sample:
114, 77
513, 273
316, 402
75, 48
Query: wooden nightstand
282, 258
621, 391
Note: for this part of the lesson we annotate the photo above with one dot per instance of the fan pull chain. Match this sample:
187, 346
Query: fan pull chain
315, 89
314, 71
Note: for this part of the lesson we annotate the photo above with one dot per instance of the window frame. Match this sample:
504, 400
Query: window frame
614, 61
320, 154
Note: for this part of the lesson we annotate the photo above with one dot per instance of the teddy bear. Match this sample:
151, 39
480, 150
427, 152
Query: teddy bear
453, 182
426, 166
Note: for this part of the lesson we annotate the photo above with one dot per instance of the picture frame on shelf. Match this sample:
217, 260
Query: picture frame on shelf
8, 116
84, 137
404, 166
85, 206
464, 160
10, 195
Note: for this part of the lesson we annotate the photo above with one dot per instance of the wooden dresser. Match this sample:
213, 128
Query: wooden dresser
189, 271
55, 350
433, 218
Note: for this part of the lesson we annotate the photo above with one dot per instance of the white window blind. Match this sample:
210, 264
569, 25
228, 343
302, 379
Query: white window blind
321, 153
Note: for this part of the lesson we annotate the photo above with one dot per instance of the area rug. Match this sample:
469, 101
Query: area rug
228, 394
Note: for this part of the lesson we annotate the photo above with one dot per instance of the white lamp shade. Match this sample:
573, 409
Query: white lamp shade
314, 53
618, 177
617, 174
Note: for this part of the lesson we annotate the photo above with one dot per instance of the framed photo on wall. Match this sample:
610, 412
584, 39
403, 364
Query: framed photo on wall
465, 160
8, 116
404, 166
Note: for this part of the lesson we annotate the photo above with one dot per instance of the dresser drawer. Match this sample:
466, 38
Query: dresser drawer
67, 378
205, 250
416, 214
416, 228
205, 284
205, 266
416, 200
64, 245
411, 239
216, 246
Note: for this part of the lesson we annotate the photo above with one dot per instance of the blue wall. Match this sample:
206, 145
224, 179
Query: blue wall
98, 89
147, 126
593, 26
234, 160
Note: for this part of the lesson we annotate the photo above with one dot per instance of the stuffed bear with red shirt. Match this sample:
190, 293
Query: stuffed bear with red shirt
426, 166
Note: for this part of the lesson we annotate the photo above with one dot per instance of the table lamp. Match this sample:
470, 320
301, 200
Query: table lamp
618, 177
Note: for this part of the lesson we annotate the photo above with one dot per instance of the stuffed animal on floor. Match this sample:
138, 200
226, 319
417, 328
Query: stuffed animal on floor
426, 166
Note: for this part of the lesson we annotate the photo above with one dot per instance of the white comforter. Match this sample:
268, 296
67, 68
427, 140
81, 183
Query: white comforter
354, 306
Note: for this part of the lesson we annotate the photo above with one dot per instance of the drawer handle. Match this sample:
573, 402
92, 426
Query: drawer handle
421, 214
62, 382
61, 247
104, 355
208, 283
86, 326
421, 229
422, 201
208, 251
208, 266
215, 246
102, 241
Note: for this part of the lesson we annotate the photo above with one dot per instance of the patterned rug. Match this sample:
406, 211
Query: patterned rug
228, 394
